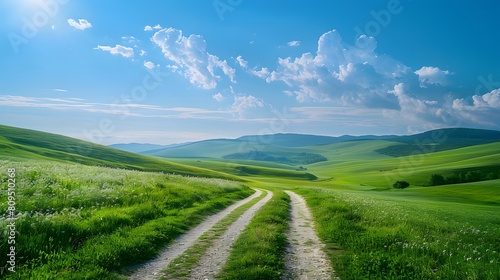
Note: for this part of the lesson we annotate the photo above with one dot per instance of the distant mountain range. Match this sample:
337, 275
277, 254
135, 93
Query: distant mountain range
294, 144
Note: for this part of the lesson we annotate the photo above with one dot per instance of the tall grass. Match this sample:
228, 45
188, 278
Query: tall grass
375, 236
78, 222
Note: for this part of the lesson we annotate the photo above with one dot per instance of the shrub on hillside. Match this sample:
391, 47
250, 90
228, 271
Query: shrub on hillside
401, 184
436, 180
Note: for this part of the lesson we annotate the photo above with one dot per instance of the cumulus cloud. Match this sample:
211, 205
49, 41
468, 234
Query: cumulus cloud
293, 43
341, 72
118, 49
432, 75
490, 100
82, 24
149, 64
241, 103
243, 63
151, 28
219, 97
262, 73
190, 55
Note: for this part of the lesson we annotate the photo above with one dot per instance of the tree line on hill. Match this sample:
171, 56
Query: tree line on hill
464, 177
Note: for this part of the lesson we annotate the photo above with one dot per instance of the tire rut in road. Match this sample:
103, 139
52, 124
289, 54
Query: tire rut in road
216, 256
152, 269
304, 257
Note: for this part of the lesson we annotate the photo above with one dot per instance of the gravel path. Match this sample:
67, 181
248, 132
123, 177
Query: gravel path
304, 258
153, 268
215, 257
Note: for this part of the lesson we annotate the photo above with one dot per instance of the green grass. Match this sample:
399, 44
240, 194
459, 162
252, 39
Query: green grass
86, 221
250, 170
83, 222
358, 164
258, 252
290, 158
18, 143
376, 235
182, 265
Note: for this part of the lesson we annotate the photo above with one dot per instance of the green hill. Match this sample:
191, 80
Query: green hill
359, 163
215, 148
304, 140
31, 144
439, 140
237, 149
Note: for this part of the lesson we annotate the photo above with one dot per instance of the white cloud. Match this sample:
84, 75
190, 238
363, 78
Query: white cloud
130, 39
262, 73
293, 43
149, 64
60, 90
243, 63
118, 49
244, 102
151, 28
432, 75
126, 109
82, 24
342, 73
191, 57
142, 53
219, 97
480, 102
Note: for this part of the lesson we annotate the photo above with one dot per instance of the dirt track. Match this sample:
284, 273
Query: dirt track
304, 258
153, 268
215, 257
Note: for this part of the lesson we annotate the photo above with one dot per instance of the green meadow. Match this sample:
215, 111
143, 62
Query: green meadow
86, 222
88, 212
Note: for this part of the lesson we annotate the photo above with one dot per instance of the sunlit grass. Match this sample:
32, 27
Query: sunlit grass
377, 236
258, 252
97, 220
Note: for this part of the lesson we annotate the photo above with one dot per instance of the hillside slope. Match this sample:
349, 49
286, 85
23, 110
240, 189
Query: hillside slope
439, 140
31, 144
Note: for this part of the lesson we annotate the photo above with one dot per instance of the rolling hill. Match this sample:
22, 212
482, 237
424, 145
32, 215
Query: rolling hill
358, 163
439, 140
31, 144
137, 147
287, 148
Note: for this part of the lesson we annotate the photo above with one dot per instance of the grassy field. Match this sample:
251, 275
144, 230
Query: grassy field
358, 164
83, 222
182, 265
258, 252
18, 143
379, 235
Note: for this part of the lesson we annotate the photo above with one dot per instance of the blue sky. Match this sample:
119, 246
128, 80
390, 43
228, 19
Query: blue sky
175, 71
